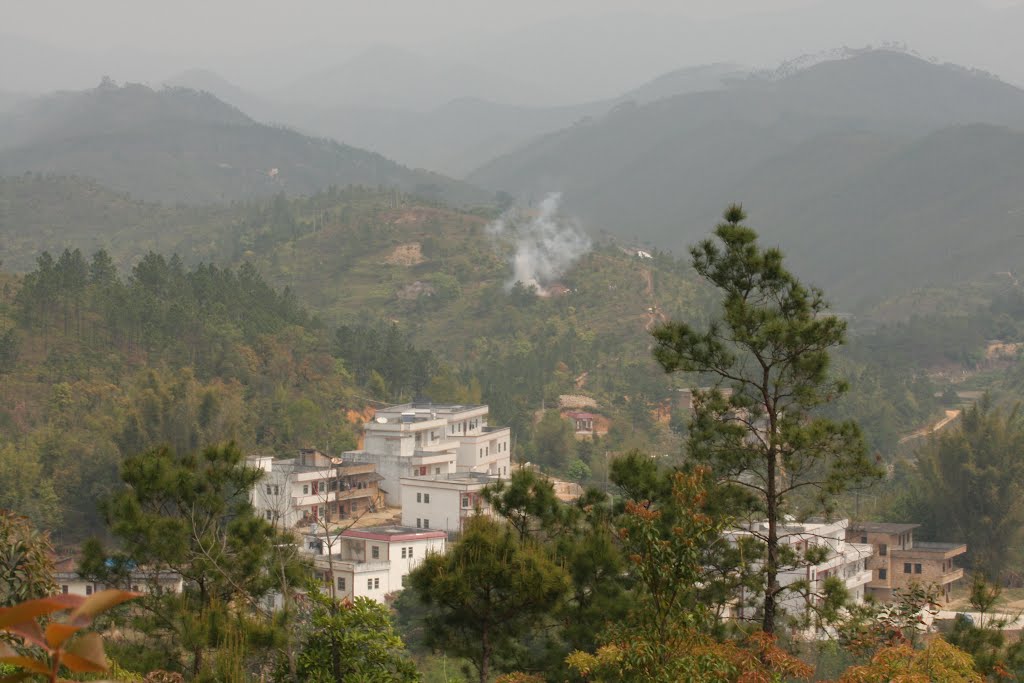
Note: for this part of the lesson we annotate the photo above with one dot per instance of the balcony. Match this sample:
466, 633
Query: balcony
951, 576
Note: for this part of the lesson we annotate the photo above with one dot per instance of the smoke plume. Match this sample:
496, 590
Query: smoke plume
542, 246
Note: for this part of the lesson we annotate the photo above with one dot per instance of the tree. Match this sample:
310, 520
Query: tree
938, 661
191, 514
352, 642
26, 561
488, 592
553, 440
970, 482
665, 634
770, 346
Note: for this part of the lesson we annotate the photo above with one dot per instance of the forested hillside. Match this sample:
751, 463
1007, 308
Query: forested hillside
865, 170
183, 146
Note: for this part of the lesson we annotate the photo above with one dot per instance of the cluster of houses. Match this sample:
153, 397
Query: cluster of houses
432, 462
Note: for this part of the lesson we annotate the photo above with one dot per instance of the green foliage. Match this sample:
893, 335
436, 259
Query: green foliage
488, 592
554, 441
189, 513
351, 642
26, 561
967, 485
771, 348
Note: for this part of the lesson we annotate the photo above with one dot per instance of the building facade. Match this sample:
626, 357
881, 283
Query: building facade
845, 560
431, 440
140, 580
899, 561
371, 562
313, 488
444, 501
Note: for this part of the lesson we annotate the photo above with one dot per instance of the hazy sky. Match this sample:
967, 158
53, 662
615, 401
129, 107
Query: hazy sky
573, 48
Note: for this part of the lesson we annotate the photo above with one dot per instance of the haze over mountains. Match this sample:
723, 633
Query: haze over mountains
875, 170
185, 146
806, 154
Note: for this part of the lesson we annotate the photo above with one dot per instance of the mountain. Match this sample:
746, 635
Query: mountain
394, 78
204, 80
181, 145
664, 171
466, 132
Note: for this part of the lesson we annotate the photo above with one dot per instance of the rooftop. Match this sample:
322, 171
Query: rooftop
395, 532
457, 478
882, 527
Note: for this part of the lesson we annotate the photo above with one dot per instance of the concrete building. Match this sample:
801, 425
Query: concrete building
313, 487
443, 501
844, 559
371, 562
898, 561
140, 580
426, 439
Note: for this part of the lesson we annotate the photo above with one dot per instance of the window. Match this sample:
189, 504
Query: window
863, 539
268, 489
403, 553
64, 590
88, 590
277, 490
410, 552
906, 567
376, 583
917, 569
883, 549
426, 523
305, 489
270, 515
426, 497
369, 584
341, 583
437, 470
375, 552
465, 501
419, 523
419, 497
882, 574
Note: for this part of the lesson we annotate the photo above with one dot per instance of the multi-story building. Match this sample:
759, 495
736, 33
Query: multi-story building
426, 439
899, 561
312, 488
371, 562
844, 559
443, 501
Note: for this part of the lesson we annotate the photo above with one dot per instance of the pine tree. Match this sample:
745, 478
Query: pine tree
770, 347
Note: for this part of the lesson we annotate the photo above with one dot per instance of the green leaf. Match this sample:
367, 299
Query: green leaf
27, 663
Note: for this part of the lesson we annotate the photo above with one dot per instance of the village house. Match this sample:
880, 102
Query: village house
139, 580
899, 561
313, 487
430, 440
371, 562
444, 501
844, 559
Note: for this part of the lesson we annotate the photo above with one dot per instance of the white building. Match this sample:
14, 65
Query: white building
371, 562
139, 580
425, 439
843, 559
313, 487
443, 501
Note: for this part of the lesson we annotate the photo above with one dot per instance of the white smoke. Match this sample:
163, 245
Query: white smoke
542, 246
